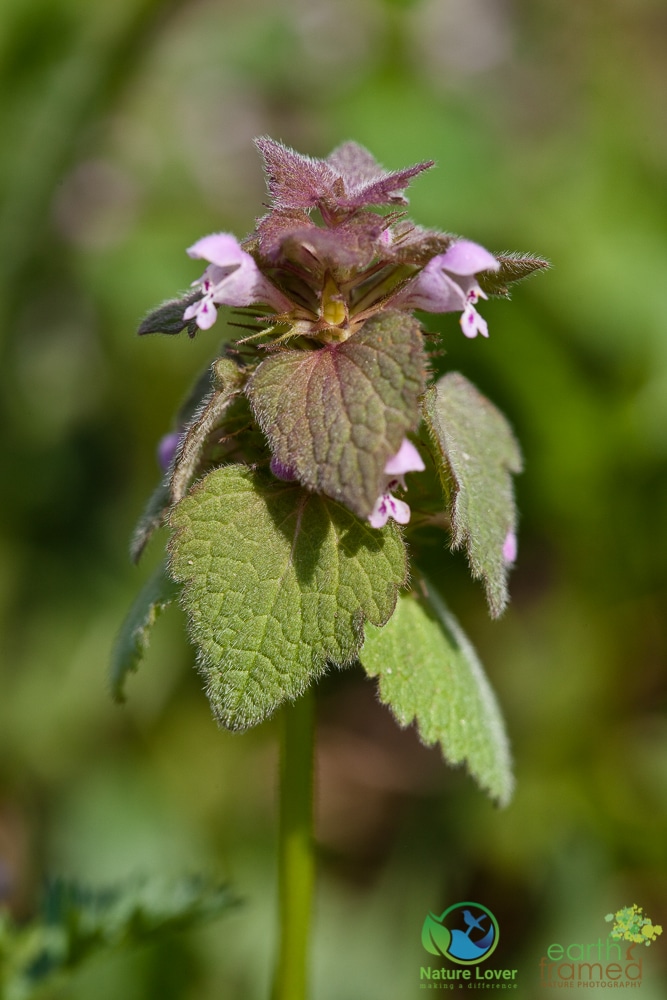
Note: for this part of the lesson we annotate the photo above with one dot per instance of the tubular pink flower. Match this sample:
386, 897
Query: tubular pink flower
231, 279
447, 284
406, 459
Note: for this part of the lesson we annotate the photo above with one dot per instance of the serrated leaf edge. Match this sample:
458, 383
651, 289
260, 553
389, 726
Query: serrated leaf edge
205, 662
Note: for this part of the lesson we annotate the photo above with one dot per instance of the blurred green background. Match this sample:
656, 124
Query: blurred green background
127, 134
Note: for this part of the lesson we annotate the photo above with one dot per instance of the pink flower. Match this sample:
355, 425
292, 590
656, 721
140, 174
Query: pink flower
231, 279
406, 459
510, 547
448, 284
387, 506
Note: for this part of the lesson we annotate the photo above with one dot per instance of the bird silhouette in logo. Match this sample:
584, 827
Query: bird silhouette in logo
473, 922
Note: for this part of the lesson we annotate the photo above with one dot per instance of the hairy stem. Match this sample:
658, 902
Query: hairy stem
296, 863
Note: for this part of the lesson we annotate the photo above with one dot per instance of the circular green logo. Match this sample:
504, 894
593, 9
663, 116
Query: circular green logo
466, 933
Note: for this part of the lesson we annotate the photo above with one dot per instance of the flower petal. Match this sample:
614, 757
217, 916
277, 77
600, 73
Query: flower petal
432, 290
466, 257
240, 287
203, 312
398, 509
222, 249
472, 323
387, 506
379, 516
232, 277
406, 459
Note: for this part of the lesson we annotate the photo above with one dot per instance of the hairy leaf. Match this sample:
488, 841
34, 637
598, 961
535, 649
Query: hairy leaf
429, 674
294, 180
348, 248
132, 641
150, 520
277, 582
349, 178
513, 267
335, 415
222, 376
168, 317
412, 244
209, 418
368, 183
476, 452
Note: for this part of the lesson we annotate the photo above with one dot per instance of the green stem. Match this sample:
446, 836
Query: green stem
296, 862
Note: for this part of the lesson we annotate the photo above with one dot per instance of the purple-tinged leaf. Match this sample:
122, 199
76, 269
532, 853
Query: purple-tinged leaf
355, 164
294, 180
337, 414
277, 226
345, 250
368, 183
349, 178
388, 190
411, 244
289, 235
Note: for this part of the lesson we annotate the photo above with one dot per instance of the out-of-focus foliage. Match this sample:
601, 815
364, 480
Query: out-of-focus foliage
127, 135
76, 923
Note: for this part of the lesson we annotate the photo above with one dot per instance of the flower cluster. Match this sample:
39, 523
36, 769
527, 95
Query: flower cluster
328, 281
325, 280
332, 263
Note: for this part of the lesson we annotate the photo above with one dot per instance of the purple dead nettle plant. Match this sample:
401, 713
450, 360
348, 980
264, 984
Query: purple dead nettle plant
317, 447
321, 411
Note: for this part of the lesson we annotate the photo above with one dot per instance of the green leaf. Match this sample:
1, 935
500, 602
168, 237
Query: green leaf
277, 581
150, 520
476, 451
79, 922
429, 673
513, 267
199, 416
336, 414
435, 936
168, 317
133, 638
207, 423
